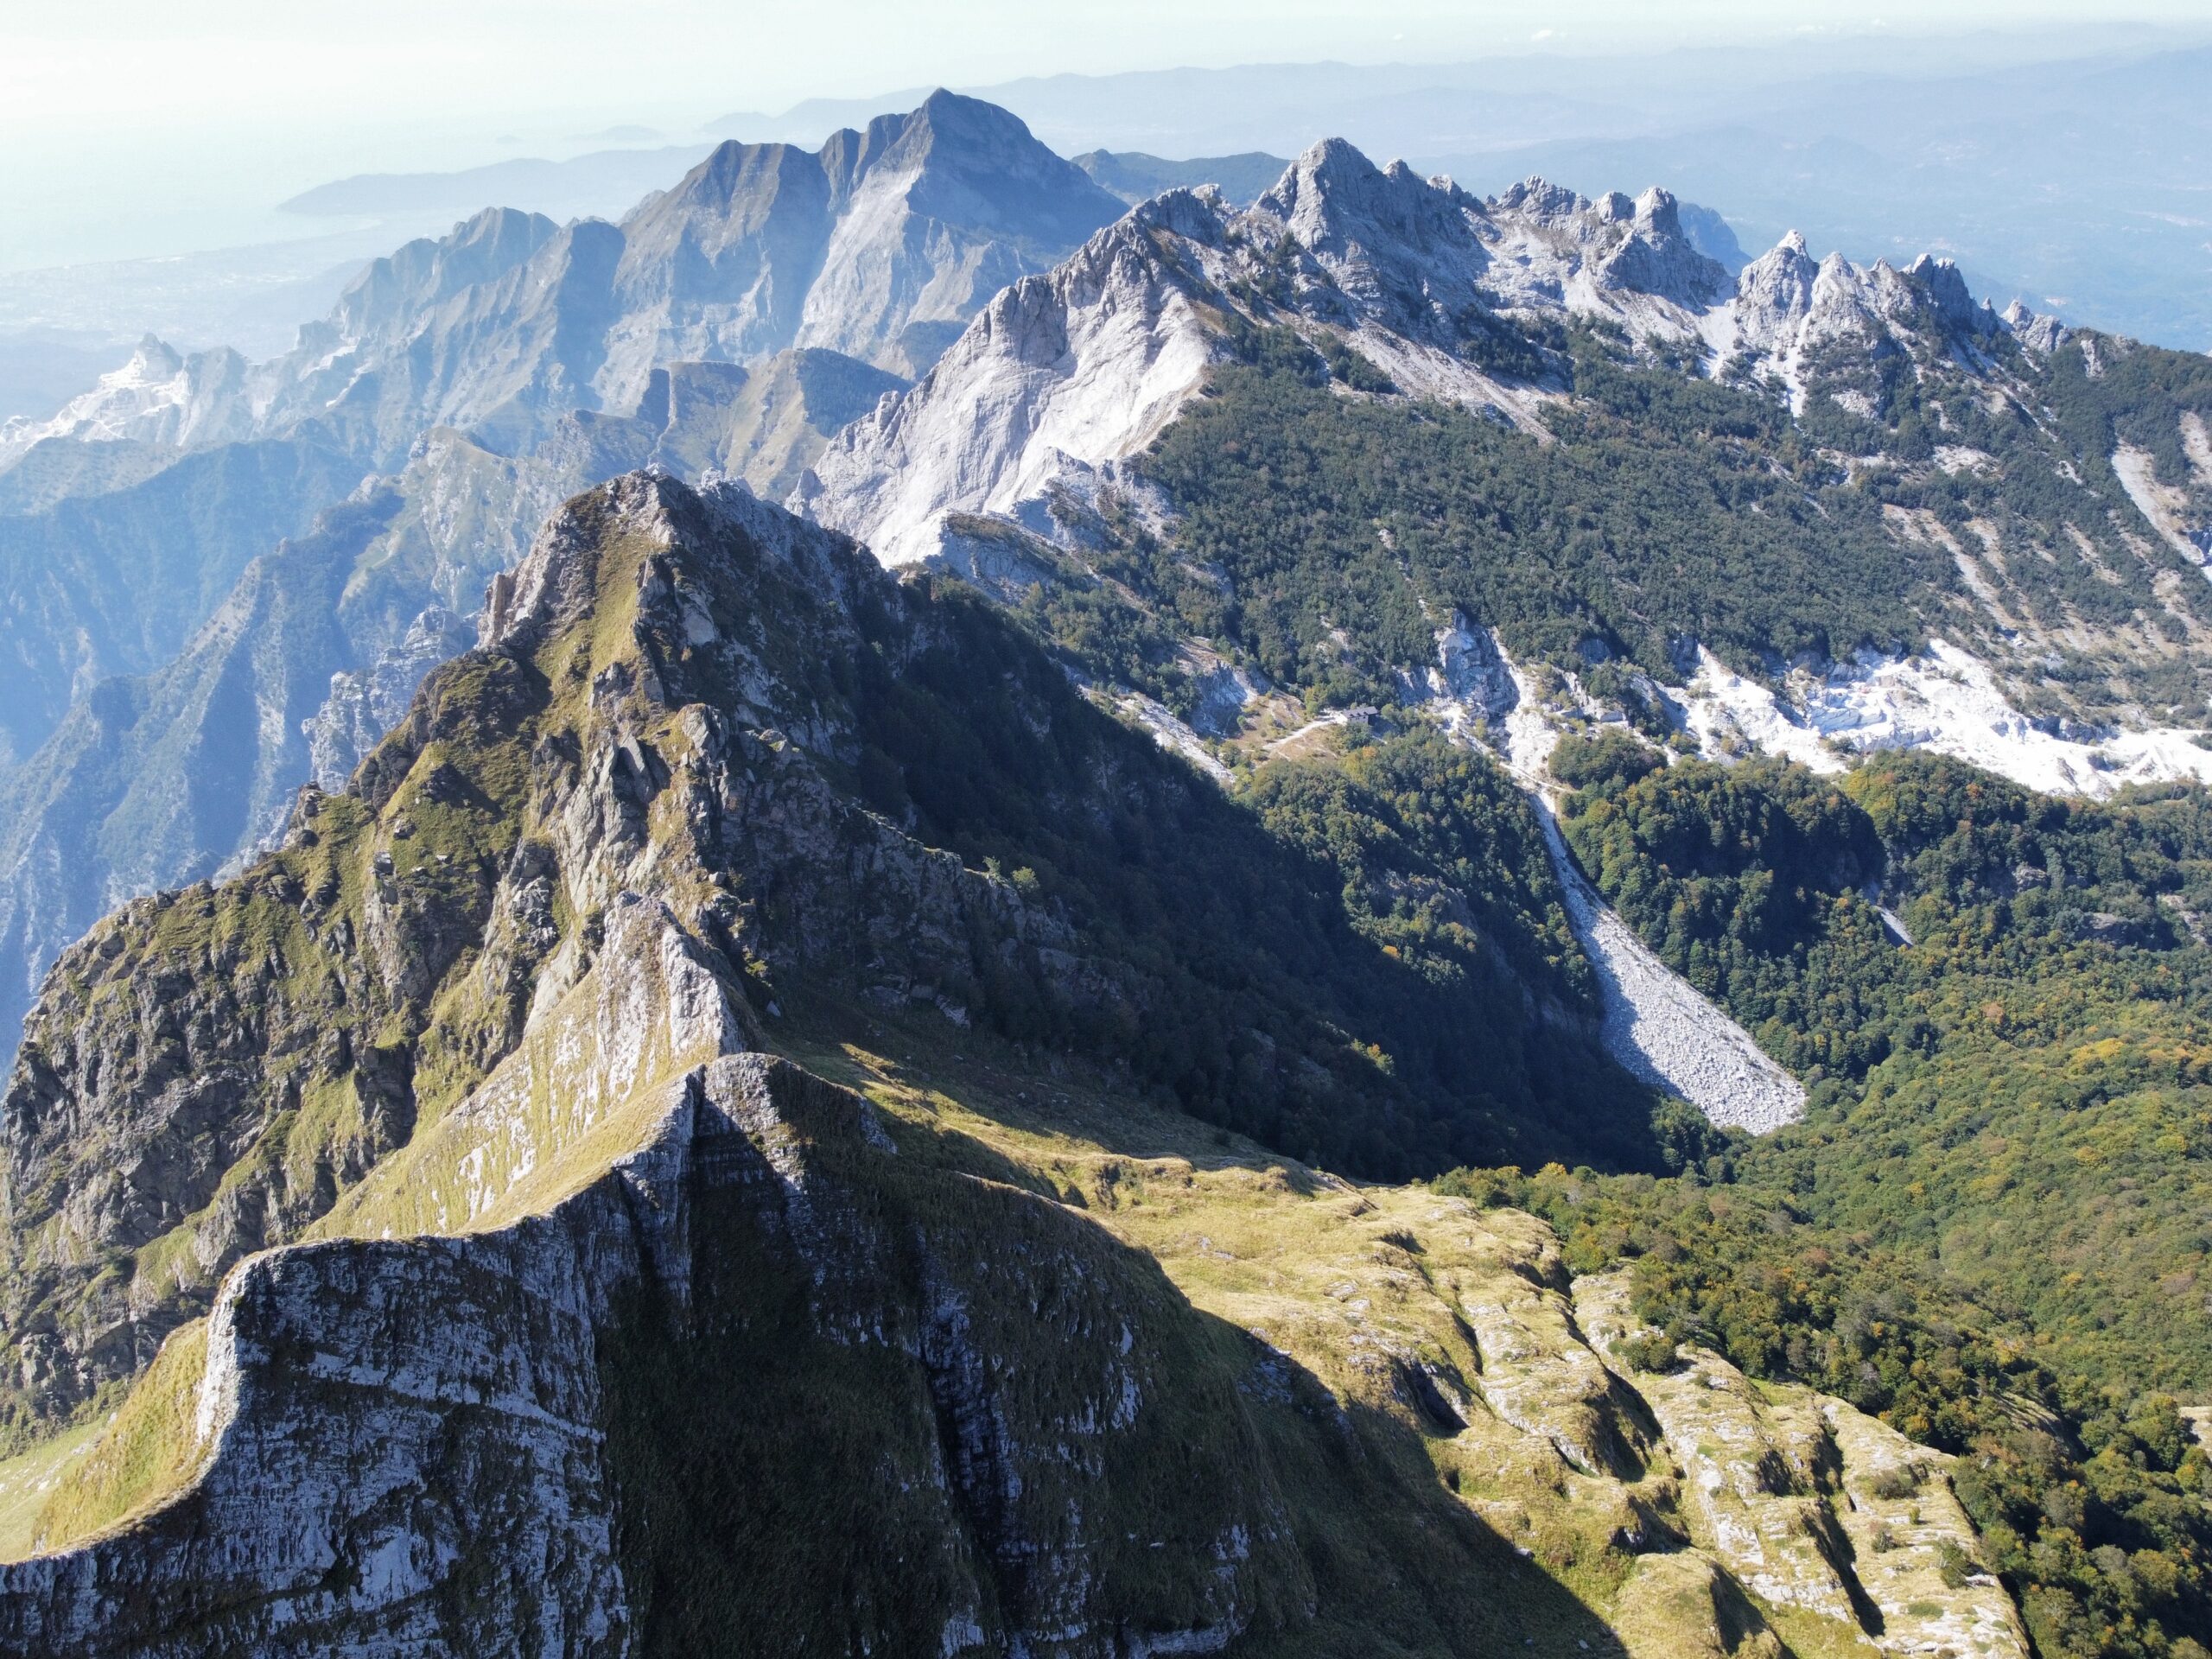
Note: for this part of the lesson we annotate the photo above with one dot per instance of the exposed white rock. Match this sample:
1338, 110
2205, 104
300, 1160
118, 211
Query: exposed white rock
1947, 701
1789, 312
2166, 506
159, 395
1070, 373
1661, 1027
648, 1008
2040, 333
1656, 1023
1754, 1462
1165, 728
1724, 712
1898, 1539
2196, 444
1079, 367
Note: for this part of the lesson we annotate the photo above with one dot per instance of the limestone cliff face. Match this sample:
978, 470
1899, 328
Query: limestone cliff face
1079, 368
660, 708
421, 1442
434, 1444
880, 1374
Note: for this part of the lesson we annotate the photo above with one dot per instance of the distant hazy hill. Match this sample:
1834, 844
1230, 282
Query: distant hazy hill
1132, 176
600, 184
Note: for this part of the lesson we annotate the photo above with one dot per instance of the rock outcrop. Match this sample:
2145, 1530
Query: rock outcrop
439, 1441
693, 749
1054, 1398
1074, 372
207, 1071
1824, 327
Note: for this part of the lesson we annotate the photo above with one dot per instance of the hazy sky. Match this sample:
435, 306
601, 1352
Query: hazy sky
219, 62
139, 128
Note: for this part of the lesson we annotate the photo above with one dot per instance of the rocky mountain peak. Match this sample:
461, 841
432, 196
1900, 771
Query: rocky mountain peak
1538, 199
1378, 230
1776, 289
967, 163
1656, 257
1785, 304
1085, 365
949, 120
1945, 287
395, 290
1627, 245
154, 359
1658, 208
2039, 331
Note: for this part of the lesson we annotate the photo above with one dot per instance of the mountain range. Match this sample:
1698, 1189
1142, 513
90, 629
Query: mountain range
732, 322
1314, 913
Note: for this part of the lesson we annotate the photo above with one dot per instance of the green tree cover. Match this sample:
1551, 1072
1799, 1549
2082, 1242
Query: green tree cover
1320, 537
2024, 1095
1994, 1227
1669, 507
1369, 964
1344, 527
2076, 550
2092, 1501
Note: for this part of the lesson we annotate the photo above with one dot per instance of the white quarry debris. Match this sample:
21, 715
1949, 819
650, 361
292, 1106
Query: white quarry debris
2165, 505
1656, 1023
159, 395
1171, 733
2196, 444
1661, 1027
1947, 701
1725, 712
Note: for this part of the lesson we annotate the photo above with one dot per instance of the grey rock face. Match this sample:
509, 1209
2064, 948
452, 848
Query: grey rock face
363, 705
813, 268
1081, 367
880, 246
210, 1070
380, 1423
428, 1444
1818, 326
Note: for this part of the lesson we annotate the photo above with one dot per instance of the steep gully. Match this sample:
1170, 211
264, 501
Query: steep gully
1656, 1024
